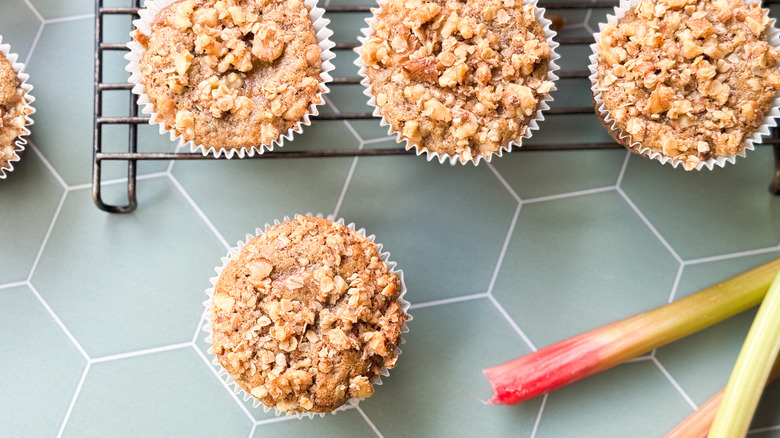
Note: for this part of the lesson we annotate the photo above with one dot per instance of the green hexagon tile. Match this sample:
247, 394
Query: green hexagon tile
100, 315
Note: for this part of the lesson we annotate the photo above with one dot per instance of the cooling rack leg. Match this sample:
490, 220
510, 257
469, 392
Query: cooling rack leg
97, 162
97, 194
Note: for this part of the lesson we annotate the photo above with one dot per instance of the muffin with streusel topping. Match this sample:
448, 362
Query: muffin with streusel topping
459, 79
687, 81
231, 74
14, 111
307, 315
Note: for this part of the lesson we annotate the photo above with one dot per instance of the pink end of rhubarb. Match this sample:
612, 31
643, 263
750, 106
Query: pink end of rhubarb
605, 347
545, 370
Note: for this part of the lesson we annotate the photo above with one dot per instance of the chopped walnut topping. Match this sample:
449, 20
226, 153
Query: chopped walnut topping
244, 70
310, 324
13, 109
689, 79
456, 77
268, 43
423, 70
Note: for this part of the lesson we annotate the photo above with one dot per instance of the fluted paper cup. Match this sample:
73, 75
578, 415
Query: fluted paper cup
533, 123
143, 25
25, 89
624, 139
208, 327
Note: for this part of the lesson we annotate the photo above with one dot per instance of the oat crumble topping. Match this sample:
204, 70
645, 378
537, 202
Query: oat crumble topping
461, 78
231, 73
689, 79
306, 315
13, 108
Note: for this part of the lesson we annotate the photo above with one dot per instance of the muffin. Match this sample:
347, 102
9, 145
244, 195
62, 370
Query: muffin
307, 315
14, 110
459, 79
687, 81
231, 75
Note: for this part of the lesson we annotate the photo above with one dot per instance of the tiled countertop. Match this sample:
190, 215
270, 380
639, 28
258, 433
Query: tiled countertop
100, 314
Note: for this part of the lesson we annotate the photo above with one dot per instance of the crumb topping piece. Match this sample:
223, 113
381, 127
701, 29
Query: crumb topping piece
231, 73
13, 108
457, 77
689, 79
306, 315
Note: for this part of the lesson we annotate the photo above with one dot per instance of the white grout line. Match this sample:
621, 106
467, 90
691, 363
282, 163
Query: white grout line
569, 195
197, 209
539, 416
15, 284
47, 164
143, 352
58, 321
111, 182
47, 235
331, 105
34, 11
764, 429
252, 430
504, 182
575, 26
444, 301
507, 239
586, 19
675, 384
34, 44
512, 323
352, 166
199, 329
222, 383
369, 422
275, 420
650, 225
622, 172
380, 139
354, 133
89, 185
65, 19
734, 255
676, 284
73, 400
639, 359
344, 188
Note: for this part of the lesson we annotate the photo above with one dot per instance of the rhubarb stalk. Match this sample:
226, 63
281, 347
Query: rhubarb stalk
605, 347
751, 371
697, 425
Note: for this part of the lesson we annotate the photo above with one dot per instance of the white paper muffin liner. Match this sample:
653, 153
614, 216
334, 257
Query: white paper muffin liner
208, 328
143, 25
430, 155
624, 139
20, 141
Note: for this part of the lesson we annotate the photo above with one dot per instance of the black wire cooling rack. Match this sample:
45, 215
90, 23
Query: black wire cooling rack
132, 156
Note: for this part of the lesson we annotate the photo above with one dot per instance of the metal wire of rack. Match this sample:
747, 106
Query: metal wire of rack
132, 156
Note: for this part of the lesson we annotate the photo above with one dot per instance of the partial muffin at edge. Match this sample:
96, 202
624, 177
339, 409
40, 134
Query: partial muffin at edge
691, 80
12, 111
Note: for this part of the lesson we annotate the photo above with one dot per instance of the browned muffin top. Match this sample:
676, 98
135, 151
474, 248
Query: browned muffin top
231, 73
12, 111
306, 315
462, 78
689, 79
